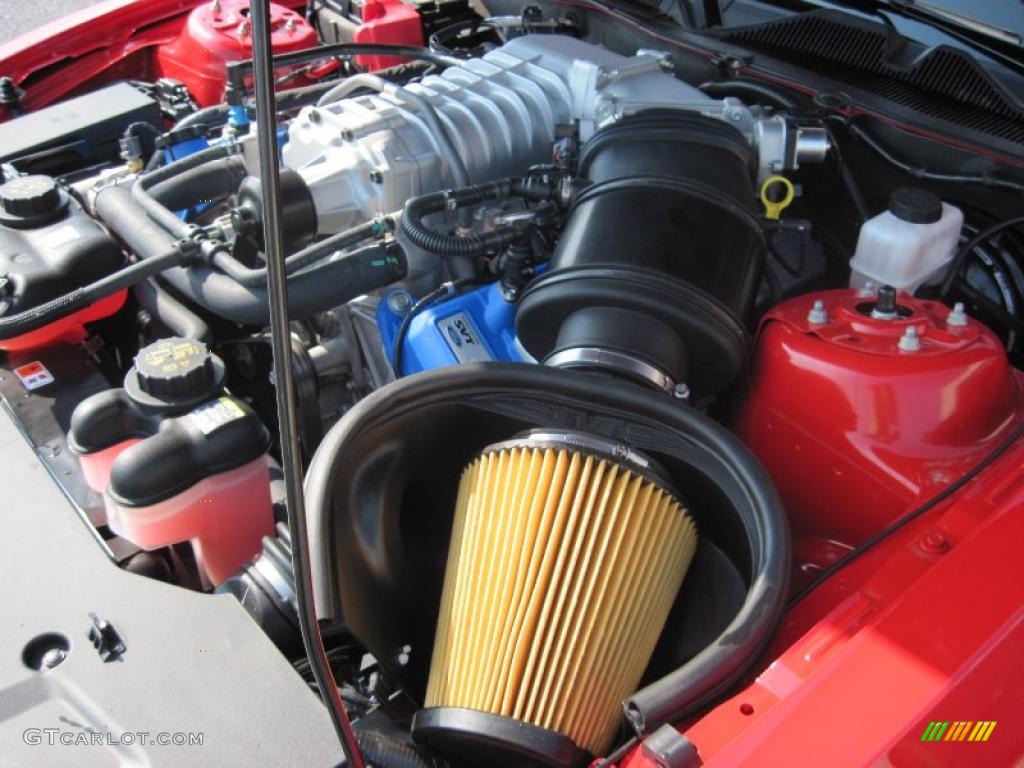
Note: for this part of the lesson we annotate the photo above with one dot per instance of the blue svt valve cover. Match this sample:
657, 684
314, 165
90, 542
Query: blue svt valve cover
478, 325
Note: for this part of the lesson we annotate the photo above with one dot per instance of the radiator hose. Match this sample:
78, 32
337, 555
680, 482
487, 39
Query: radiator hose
315, 289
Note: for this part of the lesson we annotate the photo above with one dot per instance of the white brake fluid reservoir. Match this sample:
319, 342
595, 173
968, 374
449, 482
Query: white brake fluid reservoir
910, 244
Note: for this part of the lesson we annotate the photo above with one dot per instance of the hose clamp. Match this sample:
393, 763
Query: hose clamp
612, 360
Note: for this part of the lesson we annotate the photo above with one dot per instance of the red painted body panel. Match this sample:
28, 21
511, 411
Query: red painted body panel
218, 33
854, 430
901, 637
109, 41
388, 21
928, 624
68, 328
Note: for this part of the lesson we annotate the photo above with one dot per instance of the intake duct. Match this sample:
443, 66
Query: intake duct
510, 542
567, 552
660, 258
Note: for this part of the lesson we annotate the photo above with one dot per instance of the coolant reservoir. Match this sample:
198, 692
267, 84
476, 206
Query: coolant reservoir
178, 459
909, 244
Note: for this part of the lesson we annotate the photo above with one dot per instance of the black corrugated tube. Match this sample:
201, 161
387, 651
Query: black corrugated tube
469, 245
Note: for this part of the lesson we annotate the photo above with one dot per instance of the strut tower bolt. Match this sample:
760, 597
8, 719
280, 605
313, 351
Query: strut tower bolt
869, 289
958, 316
910, 341
817, 315
885, 306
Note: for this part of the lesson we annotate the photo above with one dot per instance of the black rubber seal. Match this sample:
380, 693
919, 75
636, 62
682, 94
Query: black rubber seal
478, 738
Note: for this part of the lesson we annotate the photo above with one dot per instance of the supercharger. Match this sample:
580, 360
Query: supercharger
366, 154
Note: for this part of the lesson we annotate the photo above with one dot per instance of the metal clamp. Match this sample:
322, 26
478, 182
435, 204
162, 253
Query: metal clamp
612, 360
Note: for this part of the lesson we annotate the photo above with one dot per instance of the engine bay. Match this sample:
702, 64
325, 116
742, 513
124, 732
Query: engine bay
603, 351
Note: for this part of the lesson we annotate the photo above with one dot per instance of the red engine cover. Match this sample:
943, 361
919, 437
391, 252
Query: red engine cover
853, 429
218, 32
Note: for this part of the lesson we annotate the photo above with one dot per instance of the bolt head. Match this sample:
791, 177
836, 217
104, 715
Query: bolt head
910, 341
935, 543
957, 316
681, 392
818, 314
54, 657
399, 302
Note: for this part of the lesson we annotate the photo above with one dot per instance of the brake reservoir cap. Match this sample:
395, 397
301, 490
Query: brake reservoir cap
175, 373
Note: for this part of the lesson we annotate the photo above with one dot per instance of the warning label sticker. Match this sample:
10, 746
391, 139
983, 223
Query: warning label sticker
214, 415
34, 375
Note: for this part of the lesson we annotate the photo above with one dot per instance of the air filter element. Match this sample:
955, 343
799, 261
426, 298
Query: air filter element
566, 555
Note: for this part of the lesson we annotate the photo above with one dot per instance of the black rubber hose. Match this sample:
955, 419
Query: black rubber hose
384, 752
329, 285
207, 116
748, 90
470, 245
211, 181
239, 70
964, 253
160, 213
80, 298
155, 160
309, 255
170, 312
918, 172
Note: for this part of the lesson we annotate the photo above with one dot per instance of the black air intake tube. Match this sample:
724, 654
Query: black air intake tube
660, 258
380, 499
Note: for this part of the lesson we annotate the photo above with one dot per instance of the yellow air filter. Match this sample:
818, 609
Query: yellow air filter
567, 552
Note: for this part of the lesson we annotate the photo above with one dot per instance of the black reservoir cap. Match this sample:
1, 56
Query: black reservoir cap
30, 201
918, 206
175, 373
